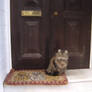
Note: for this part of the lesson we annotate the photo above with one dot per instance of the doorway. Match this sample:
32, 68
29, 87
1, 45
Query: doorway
64, 24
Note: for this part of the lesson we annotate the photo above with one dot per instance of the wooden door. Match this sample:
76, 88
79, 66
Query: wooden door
64, 24
70, 29
29, 34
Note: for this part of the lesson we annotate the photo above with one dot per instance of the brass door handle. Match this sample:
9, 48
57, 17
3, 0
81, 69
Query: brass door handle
55, 13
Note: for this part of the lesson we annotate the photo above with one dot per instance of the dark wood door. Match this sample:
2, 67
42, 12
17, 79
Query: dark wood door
70, 29
29, 34
64, 24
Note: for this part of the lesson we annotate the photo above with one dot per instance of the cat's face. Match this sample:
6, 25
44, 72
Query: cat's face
62, 56
62, 59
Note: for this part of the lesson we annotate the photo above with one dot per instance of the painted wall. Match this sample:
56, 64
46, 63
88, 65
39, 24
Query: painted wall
5, 59
2, 42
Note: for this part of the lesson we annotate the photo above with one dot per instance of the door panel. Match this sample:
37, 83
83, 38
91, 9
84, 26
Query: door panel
76, 34
69, 30
30, 39
73, 4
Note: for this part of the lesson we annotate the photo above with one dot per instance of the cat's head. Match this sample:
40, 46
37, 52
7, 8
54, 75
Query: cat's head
62, 55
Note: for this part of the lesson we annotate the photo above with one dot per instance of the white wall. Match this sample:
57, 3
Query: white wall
2, 42
3, 45
5, 59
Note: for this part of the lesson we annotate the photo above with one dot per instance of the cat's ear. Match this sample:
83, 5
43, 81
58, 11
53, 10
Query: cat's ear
59, 50
66, 52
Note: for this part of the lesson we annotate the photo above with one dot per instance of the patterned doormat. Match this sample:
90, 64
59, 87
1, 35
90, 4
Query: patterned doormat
33, 77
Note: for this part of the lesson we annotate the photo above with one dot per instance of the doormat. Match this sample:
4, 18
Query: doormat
33, 77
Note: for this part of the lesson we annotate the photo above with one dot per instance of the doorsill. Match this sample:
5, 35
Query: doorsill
79, 75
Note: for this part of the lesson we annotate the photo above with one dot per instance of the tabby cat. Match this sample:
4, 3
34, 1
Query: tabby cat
58, 63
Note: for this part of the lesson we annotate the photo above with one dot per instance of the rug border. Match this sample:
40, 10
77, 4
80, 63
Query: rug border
7, 82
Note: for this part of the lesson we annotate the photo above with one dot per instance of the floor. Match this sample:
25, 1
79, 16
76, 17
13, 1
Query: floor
79, 81
71, 87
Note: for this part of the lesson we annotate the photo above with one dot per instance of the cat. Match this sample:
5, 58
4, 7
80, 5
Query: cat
58, 63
